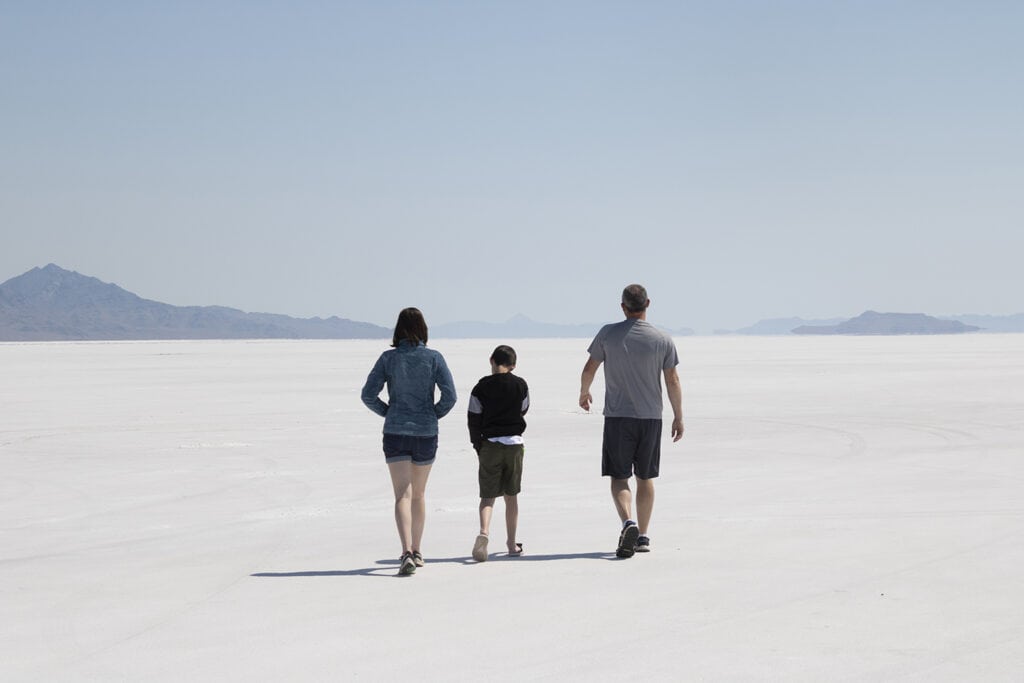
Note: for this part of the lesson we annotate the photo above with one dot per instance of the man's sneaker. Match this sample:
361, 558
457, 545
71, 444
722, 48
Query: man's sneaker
643, 544
627, 539
417, 558
407, 566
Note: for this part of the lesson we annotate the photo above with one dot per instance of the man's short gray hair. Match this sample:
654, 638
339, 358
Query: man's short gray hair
634, 298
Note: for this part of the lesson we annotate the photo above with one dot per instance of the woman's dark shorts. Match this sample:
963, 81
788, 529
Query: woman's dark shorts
631, 446
419, 449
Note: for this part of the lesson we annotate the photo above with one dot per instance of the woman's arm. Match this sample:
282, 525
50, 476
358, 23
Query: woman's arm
444, 381
371, 390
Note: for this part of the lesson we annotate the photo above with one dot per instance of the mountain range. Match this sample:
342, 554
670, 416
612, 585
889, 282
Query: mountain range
54, 304
872, 322
875, 323
777, 326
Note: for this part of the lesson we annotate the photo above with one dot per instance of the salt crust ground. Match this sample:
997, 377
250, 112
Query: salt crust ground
841, 509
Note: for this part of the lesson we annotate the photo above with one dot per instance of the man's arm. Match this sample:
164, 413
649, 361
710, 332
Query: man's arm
586, 379
675, 398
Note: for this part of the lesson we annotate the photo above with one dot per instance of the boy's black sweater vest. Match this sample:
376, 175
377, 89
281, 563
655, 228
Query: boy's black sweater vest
501, 397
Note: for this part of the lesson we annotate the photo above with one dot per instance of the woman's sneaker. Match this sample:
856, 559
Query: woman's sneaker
417, 558
407, 566
643, 544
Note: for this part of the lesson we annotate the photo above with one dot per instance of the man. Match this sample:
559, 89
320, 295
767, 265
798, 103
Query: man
635, 356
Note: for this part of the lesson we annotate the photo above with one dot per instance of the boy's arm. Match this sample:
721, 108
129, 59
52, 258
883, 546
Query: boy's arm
475, 421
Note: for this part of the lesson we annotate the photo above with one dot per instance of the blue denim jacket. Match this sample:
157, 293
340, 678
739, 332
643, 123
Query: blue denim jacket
410, 373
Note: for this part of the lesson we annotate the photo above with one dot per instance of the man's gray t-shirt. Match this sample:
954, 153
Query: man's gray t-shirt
635, 355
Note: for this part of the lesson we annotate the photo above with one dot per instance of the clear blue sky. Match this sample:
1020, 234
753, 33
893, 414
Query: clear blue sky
744, 160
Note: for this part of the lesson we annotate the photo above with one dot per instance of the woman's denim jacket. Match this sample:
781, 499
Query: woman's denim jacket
410, 372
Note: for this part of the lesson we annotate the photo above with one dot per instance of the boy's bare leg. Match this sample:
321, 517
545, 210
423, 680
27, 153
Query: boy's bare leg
486, 509
644, 503
511, 521
623, 498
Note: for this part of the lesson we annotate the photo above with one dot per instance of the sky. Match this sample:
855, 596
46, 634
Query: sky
743, 160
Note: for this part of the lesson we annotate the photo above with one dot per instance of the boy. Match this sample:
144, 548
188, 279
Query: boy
496, 409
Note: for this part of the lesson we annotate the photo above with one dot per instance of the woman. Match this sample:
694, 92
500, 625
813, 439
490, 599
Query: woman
411, 371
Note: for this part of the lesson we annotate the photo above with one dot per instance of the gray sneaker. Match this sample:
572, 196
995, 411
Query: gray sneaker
408, 565
643, 544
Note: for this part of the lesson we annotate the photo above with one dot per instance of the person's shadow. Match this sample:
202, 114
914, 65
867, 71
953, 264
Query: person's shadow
390, 566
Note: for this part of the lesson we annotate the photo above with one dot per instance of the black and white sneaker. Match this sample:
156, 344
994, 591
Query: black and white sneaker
417, 558
407, 566
643, 544
627, 539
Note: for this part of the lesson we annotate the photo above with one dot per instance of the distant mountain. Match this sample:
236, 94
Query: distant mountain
874, 323
991, 323
519, 327
52, 304
779, 326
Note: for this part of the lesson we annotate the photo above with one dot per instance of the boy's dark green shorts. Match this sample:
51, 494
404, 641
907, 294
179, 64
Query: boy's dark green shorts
501, 469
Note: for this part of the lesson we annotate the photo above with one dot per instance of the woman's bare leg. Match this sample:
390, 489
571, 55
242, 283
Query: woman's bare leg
401, 480
418, 505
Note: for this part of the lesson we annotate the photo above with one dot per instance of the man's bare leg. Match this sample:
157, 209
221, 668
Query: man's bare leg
644, 503
623, 498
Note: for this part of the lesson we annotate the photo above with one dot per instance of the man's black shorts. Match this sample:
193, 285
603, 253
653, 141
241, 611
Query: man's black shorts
631, 446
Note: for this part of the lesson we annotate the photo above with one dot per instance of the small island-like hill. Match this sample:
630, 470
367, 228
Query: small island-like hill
874, 323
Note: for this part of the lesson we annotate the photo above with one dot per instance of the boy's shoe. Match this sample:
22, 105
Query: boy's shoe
480, 548
417, 558
643, 544
627, 539
407, 566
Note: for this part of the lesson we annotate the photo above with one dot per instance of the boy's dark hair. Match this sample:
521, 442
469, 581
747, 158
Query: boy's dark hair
411, 326
634, 298
504, 355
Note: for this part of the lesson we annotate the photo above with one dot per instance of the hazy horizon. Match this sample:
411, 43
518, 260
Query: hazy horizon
519, 314
743, 161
